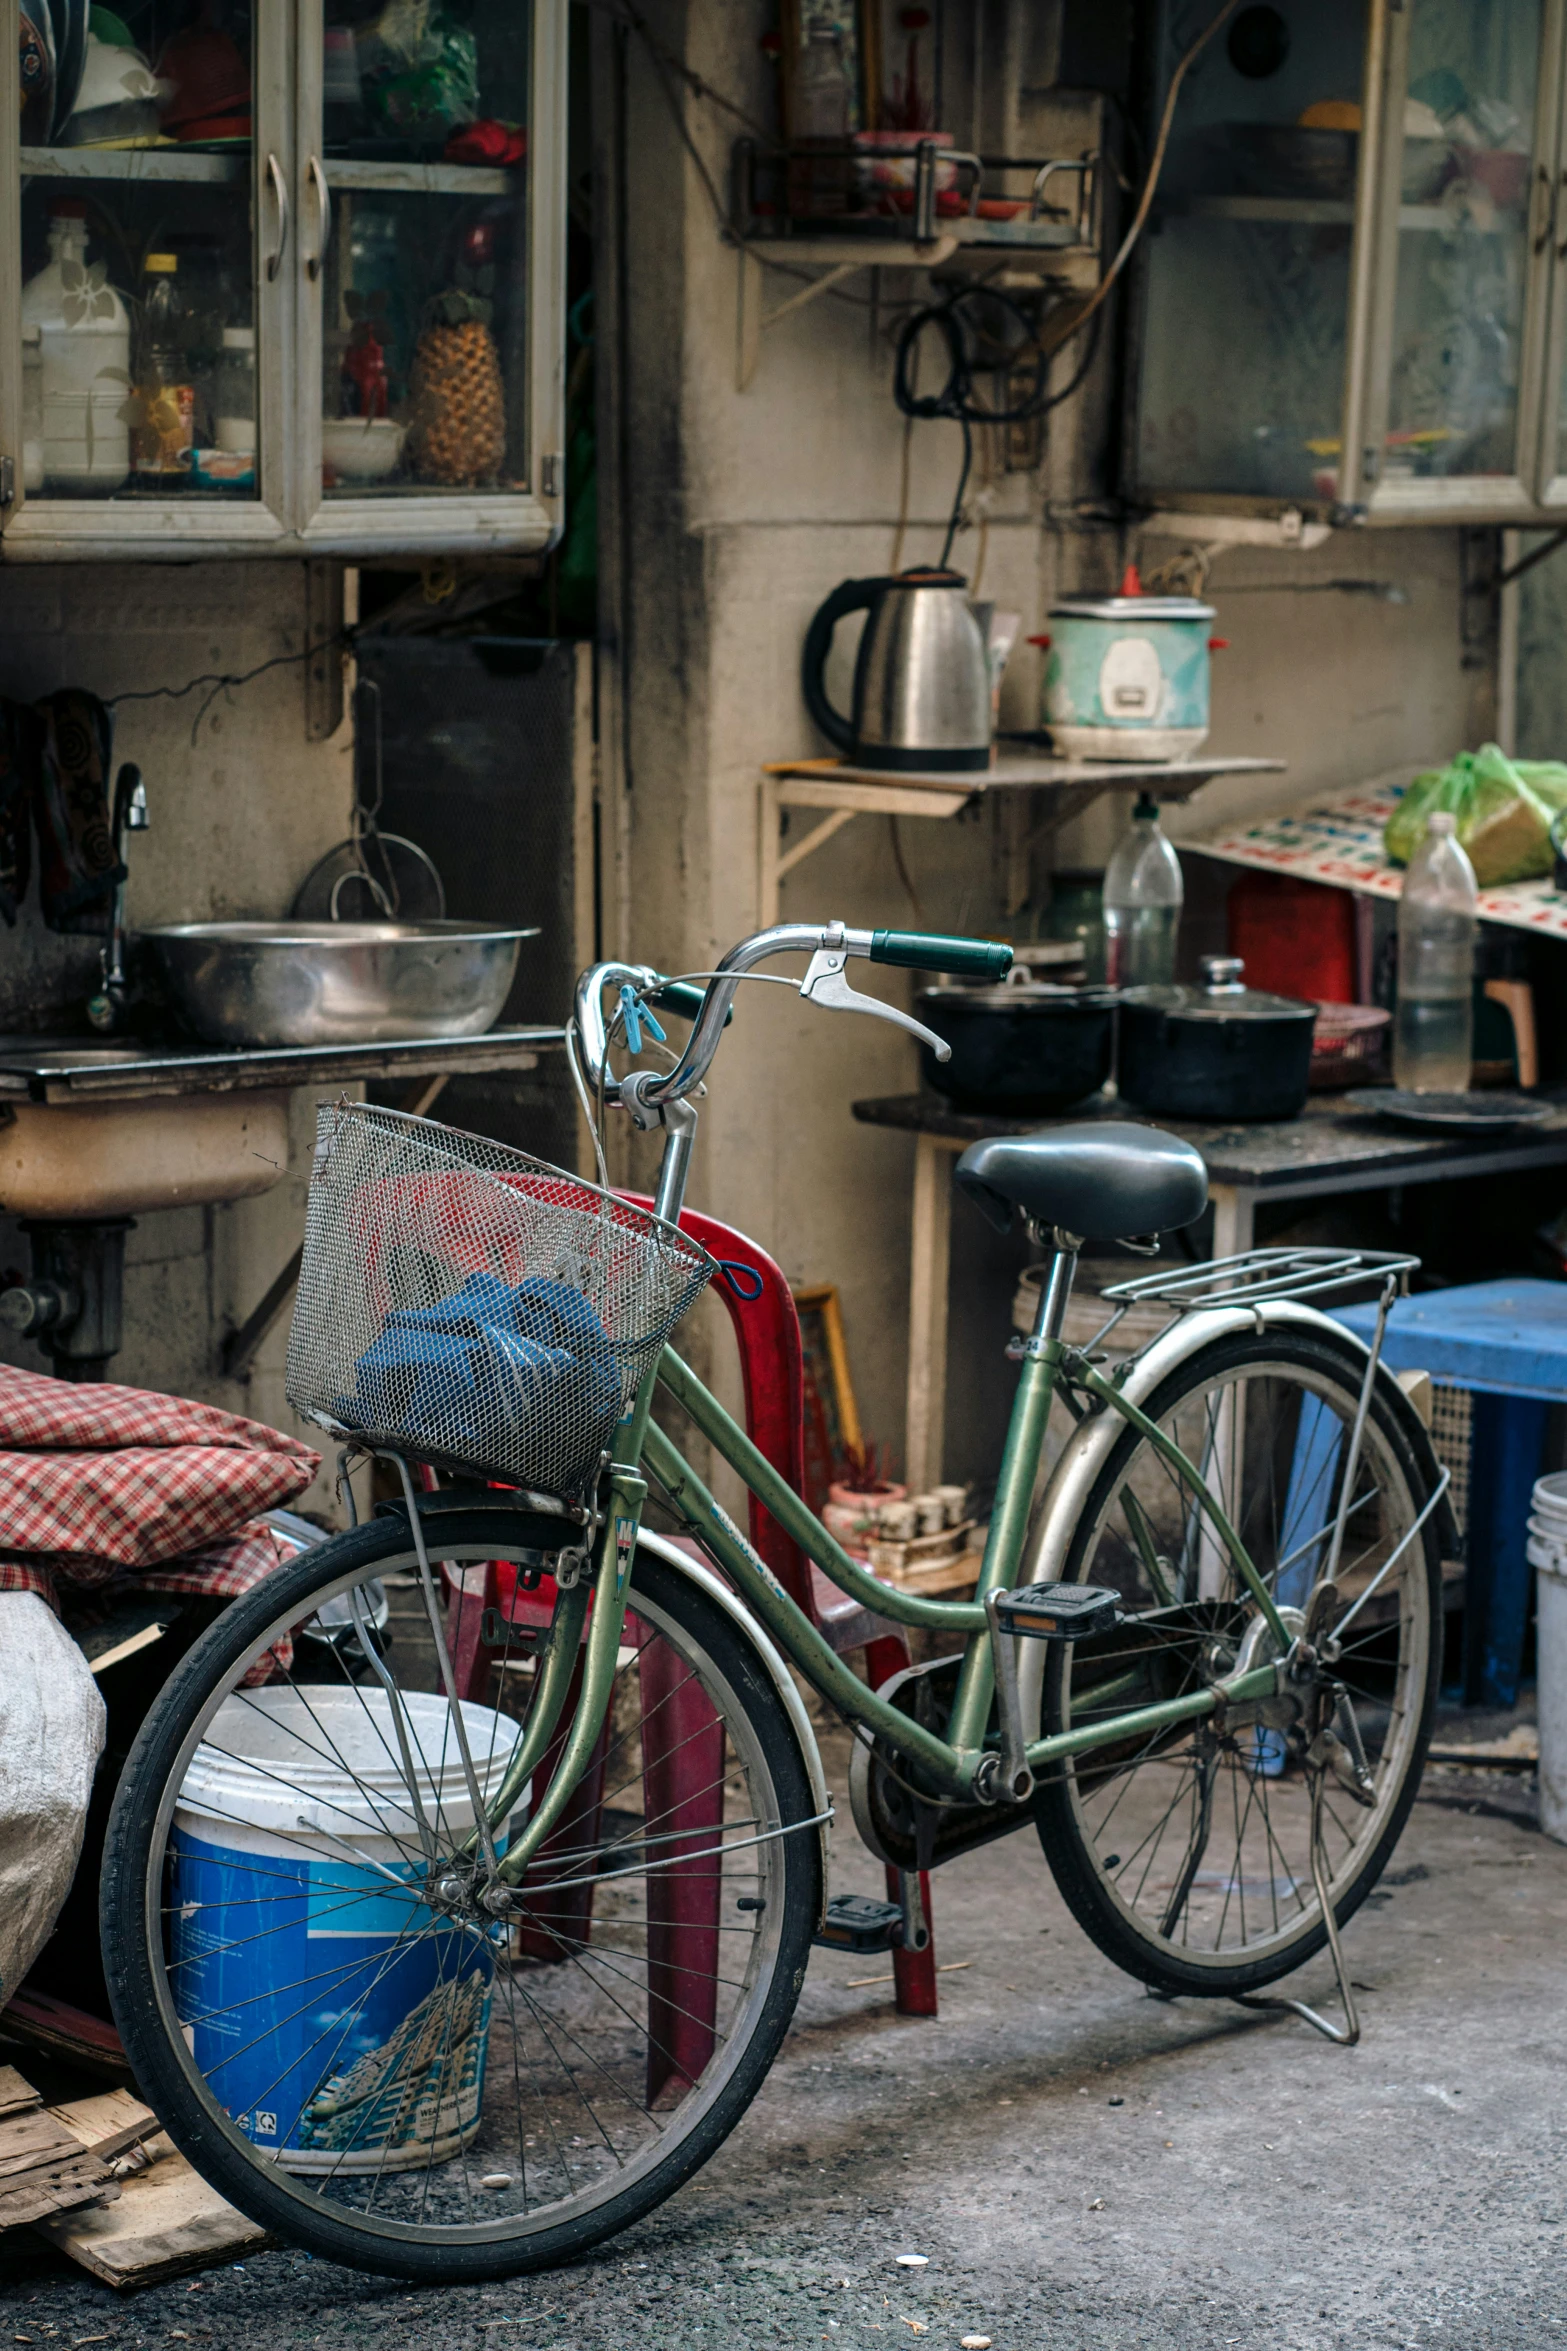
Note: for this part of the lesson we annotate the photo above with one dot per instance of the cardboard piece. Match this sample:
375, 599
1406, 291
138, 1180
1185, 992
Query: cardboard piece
163, 2224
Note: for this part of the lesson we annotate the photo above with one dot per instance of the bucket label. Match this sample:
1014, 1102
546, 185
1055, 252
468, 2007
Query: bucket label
419, 2092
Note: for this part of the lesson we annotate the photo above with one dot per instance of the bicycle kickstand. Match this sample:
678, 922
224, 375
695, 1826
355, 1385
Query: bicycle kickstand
1347, 2034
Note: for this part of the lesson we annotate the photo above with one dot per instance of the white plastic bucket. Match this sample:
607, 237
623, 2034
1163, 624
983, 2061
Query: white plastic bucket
1551, 1650
1548, 1555
341, 2024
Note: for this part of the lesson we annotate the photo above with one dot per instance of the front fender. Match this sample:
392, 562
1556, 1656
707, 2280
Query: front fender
697, 1572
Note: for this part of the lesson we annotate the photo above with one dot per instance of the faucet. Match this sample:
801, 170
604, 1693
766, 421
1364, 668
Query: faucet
108, 1009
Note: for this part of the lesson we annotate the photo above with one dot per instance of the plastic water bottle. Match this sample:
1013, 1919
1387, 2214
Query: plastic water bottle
1142, 902
1433, 1029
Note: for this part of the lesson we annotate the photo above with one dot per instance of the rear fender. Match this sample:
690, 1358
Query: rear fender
1072, 1480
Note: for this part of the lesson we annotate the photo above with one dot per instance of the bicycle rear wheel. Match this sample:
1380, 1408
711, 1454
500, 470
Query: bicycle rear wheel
398, 2081
1187, 1855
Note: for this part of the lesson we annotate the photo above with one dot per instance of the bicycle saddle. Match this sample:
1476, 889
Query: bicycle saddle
1100, 1178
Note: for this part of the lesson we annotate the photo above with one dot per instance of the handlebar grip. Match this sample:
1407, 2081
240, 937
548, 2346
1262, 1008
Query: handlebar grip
970, 959
684, 997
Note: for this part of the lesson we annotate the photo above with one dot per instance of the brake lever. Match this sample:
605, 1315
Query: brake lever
825, 984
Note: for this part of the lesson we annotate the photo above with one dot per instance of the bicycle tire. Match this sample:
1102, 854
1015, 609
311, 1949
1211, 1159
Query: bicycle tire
760, 1744
1095, 1882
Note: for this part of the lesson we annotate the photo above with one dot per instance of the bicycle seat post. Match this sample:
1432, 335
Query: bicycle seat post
1055, 1288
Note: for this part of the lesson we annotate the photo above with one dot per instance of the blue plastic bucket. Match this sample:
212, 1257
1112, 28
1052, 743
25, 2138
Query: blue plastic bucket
336, 2018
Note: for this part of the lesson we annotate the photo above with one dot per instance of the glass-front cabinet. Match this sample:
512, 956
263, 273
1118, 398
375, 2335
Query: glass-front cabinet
287, 276
1353, 293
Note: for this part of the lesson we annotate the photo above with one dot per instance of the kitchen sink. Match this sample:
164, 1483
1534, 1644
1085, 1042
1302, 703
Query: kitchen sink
68, 1160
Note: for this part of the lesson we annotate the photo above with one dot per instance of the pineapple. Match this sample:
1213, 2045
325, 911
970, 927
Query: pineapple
457, 433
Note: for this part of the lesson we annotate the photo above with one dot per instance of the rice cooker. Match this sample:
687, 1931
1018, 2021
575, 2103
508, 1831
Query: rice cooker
1126, 677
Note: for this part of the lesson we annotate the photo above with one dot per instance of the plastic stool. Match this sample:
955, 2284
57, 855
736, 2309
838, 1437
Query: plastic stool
1507, 1343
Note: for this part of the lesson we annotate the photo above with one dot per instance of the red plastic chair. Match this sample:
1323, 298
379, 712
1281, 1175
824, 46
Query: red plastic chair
682, 1765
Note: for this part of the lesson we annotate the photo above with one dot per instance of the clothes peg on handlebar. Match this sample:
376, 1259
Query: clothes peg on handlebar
825, 984
636, 1014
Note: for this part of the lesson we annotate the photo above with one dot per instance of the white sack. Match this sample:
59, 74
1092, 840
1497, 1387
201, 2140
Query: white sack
52, 1725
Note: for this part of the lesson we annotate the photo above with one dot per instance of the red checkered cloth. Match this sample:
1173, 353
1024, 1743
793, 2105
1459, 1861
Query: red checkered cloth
100, 1481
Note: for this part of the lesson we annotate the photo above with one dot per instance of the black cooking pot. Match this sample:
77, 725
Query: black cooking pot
1220, 1050
1022, 1047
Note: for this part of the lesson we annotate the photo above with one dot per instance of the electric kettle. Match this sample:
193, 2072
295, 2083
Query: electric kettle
922, 679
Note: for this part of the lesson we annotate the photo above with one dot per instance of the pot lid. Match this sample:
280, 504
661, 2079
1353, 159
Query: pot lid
1024, 996
1130, 608
1222, 995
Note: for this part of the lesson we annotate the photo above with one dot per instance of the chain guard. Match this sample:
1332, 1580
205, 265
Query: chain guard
897, 1826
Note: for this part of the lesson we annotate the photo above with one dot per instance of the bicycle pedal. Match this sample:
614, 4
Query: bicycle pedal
1057, 1612
859, 1923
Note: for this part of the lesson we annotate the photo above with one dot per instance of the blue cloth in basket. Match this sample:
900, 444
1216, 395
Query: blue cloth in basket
469, 1374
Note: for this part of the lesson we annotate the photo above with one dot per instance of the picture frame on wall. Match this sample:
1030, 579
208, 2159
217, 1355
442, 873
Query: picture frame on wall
832, 1418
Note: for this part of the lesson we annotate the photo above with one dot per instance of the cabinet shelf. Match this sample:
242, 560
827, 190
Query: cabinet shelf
231, 170
136, 163
421, 179
1326, 212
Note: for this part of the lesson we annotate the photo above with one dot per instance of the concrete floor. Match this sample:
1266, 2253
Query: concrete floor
1081, 2165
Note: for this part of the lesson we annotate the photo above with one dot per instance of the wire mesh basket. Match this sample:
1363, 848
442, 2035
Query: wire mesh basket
468, 1304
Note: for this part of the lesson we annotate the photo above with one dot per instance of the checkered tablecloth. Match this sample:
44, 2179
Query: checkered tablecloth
99, 1483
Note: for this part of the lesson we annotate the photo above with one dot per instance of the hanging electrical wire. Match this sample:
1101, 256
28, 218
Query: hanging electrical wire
965, 324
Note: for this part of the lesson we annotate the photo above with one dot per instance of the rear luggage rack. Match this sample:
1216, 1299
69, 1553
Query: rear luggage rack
1260, 1276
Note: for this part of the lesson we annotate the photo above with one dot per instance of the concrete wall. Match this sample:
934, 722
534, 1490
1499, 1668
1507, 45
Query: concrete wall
728, 516
241, 806
740, 511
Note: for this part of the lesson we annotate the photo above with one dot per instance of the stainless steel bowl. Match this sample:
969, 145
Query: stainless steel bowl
335, 983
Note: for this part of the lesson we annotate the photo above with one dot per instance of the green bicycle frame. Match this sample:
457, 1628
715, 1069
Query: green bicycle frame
947, 1765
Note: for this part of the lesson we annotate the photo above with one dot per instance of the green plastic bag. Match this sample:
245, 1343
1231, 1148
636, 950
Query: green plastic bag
1503, 806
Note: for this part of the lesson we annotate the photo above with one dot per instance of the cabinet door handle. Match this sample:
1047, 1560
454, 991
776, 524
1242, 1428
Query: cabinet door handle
280, 198
1545, 186
324, 215
1561, 243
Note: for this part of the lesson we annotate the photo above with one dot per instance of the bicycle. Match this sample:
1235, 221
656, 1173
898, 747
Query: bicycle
456, 1986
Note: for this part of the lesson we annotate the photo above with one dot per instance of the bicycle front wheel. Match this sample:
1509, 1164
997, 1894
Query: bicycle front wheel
1186, 1855
378, 2068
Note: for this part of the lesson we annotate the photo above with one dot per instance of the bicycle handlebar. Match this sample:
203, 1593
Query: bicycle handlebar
971, 959
681, 996
914, 950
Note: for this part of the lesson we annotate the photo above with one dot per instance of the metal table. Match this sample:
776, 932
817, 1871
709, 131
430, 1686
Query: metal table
1329, 1149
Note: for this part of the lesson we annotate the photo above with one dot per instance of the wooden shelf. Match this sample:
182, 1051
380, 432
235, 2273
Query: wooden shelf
961, 243
845, 792
1039, 771
839, 257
